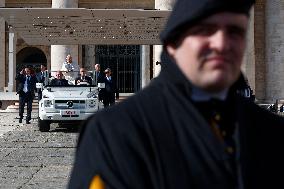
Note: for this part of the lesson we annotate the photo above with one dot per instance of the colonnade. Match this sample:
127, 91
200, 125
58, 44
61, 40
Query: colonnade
267, 89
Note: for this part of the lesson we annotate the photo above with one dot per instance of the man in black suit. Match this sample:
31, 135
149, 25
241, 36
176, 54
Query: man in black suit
110, 92
189, 129
26, 90
59, 80
98, 75
41, 77
83, 77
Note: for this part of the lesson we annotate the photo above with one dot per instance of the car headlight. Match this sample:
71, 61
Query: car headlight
48, 103
92, 103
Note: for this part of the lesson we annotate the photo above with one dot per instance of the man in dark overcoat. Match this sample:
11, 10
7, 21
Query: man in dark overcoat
26, 90
189, 129
41, 78
110, 92
98, 77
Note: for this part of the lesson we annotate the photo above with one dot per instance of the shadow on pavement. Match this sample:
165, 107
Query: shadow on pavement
65, 128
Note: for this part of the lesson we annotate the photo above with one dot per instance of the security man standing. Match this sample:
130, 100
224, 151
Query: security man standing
26, 90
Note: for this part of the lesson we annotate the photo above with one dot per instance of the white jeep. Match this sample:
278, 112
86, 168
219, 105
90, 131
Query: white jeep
67, 104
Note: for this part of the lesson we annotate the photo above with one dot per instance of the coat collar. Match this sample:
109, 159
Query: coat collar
172, 75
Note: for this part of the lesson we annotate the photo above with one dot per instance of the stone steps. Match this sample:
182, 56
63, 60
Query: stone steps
15, 107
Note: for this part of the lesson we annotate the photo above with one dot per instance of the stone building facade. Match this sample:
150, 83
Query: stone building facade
263, 62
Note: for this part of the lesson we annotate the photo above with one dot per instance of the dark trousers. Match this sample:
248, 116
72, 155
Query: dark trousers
39, 94
108, 99
101, 95
23, 99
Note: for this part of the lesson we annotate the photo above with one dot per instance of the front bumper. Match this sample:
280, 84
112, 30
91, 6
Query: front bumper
59, 117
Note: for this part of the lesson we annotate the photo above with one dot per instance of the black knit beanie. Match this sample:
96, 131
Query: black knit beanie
188, 12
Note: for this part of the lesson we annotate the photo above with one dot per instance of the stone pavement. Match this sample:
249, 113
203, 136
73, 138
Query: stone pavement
31, 159
7, 123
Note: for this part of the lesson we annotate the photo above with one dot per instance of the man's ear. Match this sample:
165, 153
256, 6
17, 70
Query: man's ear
171, 49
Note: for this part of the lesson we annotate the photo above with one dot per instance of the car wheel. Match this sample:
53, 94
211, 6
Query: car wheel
44, 126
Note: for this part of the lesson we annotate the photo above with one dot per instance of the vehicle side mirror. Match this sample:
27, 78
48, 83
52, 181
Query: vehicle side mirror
39, 85
101, 85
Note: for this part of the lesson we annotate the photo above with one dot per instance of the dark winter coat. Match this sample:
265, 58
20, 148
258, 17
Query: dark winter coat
158, 139
21, 79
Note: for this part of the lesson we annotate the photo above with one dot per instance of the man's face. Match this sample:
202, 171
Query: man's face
42, 68
69, 59
59, 75
108, 73
97, 67
210, 53
27, 71
82, 72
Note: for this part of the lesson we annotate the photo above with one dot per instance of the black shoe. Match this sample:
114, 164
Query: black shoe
20, 120
28, 122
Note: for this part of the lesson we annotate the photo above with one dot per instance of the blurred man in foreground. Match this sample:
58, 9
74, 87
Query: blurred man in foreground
189, 129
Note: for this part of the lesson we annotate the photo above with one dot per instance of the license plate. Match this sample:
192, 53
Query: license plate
69, 112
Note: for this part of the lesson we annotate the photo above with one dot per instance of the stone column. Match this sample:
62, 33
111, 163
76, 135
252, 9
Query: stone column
12, 59
160, 5
64, 3
59, 52
145, 65
90, 57
248, 66
274, 50
2, 49
259, 46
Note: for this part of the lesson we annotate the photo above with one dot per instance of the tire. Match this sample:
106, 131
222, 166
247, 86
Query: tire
44, 126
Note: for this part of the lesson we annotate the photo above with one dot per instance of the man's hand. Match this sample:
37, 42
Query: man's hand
22, 71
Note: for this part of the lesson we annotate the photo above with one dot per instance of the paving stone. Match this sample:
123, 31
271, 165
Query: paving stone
9, 183
51, 184
57, 172
18, 172
31, 159
5, 151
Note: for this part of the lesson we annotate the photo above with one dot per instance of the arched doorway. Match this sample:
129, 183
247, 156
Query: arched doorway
31, 57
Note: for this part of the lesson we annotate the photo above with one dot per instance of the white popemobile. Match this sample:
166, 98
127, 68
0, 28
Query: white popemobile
63, 104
